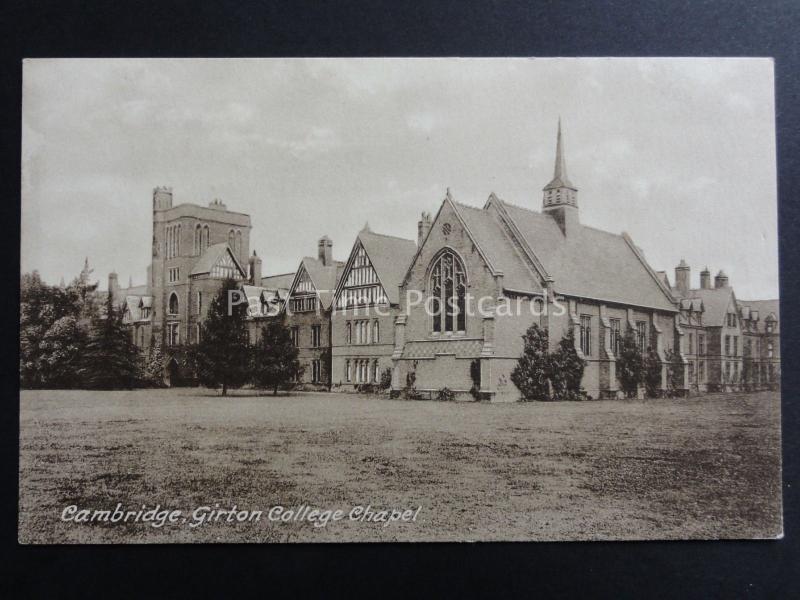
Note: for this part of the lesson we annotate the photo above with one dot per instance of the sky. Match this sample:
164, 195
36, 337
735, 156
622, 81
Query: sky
679, 153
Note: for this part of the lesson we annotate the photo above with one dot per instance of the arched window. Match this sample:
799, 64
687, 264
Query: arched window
376, 332
173, 303
348, 335
178, 241
198, 239
448, 289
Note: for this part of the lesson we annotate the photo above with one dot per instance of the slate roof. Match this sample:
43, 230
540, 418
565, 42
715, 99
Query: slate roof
715, 301
324, 278
765, 308
495, 243
134, 305
278, 282
590, 263
210, 257
270, 300
390, 257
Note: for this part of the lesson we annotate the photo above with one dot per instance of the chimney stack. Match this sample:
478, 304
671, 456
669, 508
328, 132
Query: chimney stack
113, 286
255, 269
682, 277
721, 280
325, 250
423, 227
705, 279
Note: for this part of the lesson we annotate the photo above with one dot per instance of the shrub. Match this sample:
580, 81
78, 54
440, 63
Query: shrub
475, 375
630, 364
565, 370
674, 372
446, 395
530, 374
652, 373
386, 379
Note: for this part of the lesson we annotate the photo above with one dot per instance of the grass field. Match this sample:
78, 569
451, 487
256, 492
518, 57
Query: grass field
705, 467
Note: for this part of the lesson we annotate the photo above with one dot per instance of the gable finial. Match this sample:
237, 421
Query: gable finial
366, 226
448, 195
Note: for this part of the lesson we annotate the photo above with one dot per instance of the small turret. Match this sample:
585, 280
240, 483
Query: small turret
162, 198
560, 198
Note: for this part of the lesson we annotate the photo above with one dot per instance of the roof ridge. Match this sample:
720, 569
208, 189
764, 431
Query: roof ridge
397, 237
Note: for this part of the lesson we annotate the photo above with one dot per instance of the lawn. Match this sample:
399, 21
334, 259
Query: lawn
706, 467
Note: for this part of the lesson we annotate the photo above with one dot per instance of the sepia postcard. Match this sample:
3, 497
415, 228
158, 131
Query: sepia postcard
413, 300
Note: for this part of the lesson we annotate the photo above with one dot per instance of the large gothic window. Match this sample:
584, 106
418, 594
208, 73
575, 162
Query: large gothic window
448, 288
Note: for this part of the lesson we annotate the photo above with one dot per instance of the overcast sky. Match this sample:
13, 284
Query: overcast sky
678, 153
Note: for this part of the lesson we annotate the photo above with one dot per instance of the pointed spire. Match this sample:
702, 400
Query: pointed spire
560, 178
366, 226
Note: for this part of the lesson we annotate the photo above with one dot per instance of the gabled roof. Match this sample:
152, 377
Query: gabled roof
589, 263
390, 257
269, 301
133, 306
324, 278
278, 282
767, 310
495, 244
211, 256
716, 302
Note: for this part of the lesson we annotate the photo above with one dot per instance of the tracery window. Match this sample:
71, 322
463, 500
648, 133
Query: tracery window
448, 286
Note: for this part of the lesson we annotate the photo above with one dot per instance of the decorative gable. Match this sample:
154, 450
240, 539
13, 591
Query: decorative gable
303, 296
225, 266
361, 284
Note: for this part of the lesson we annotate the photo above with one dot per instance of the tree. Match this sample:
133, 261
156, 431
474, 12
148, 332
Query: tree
63, 348
275, 361
630, 364
153, 371
531, 373
111, 359
674, 372
652, 373
222, 356
565, 369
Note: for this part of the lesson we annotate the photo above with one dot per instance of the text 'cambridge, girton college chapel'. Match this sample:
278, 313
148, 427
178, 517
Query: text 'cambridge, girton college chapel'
355, 322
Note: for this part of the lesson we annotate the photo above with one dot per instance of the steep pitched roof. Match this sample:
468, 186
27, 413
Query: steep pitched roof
765, 308
323, 277
390, 257
589, 263
487, 230
278, 282
716, 302
133, 306
210, 257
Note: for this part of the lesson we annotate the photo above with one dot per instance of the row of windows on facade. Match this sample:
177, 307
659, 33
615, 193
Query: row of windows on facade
201, 241
360, 332
316, 336
749, 325
615, 327
362, 370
